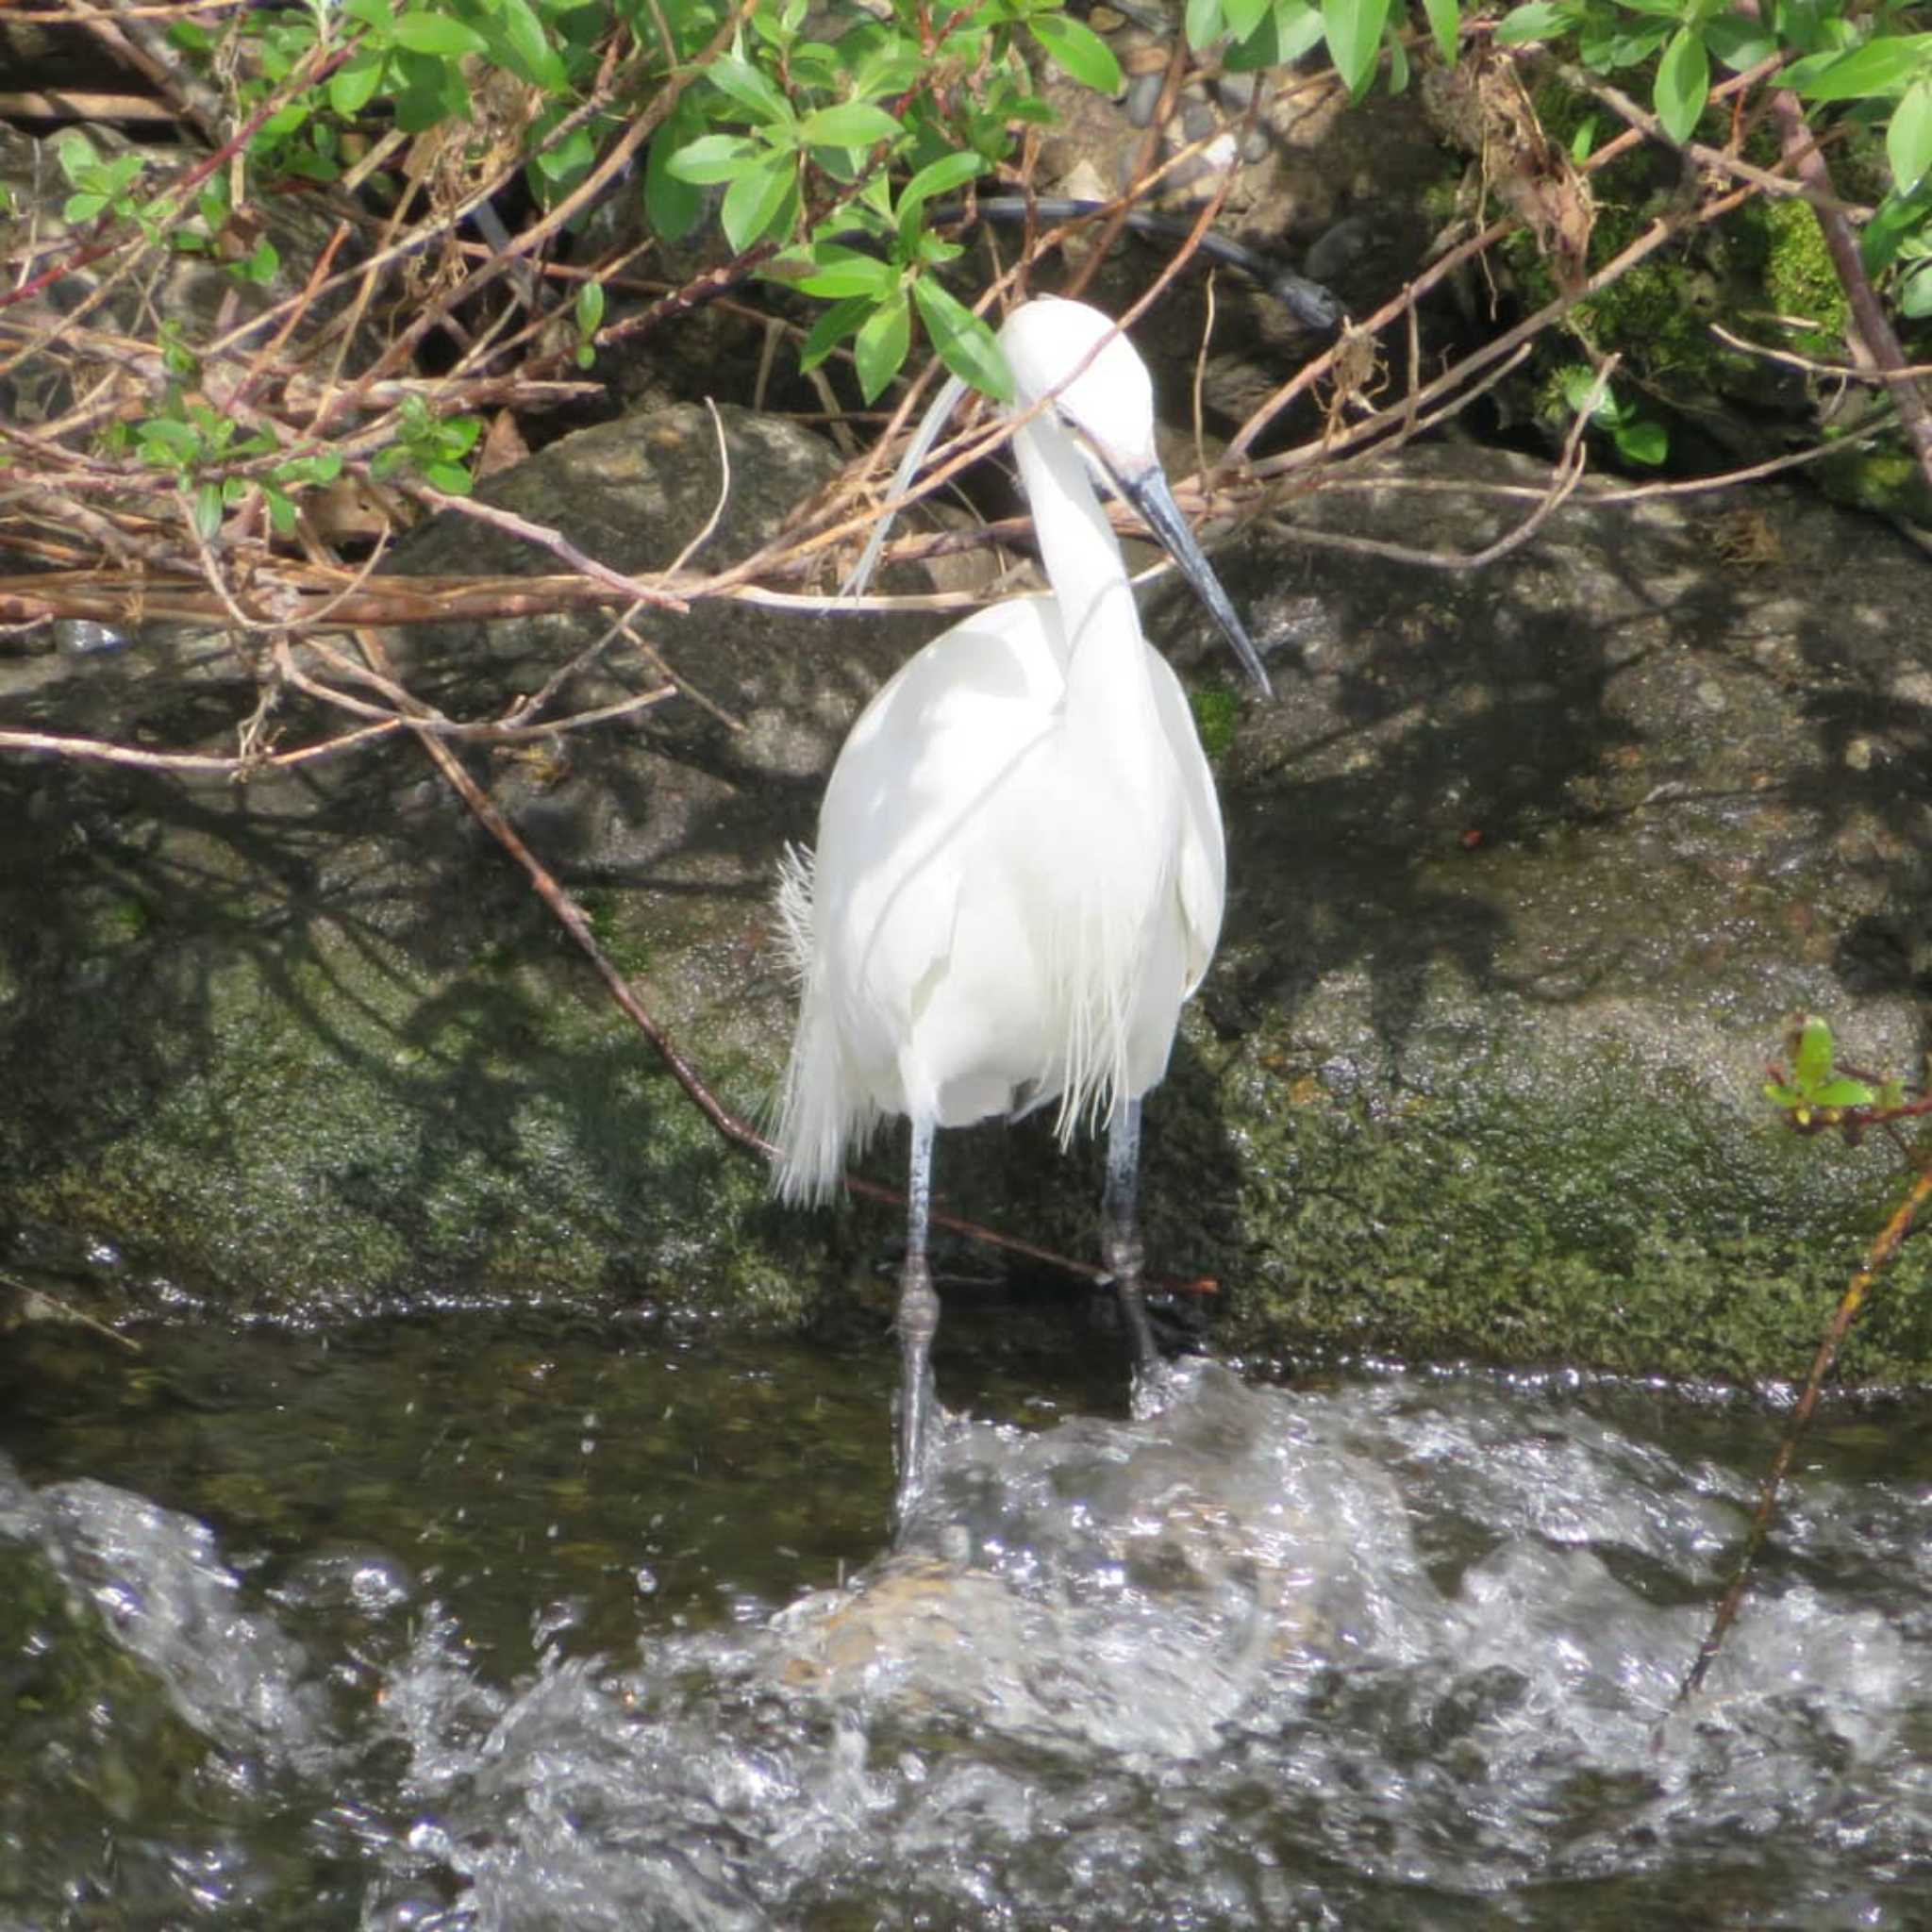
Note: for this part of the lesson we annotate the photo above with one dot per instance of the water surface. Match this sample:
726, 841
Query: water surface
489, 1622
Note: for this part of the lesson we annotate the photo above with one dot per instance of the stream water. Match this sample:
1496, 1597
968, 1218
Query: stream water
492, 1623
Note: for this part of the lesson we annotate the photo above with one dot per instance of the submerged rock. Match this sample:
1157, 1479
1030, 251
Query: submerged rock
1041, 1586
1527, 866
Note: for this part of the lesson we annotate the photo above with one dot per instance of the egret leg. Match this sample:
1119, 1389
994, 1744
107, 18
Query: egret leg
1120, 1231
917, 1322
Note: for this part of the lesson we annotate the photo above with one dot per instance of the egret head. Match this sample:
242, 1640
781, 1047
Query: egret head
1103, 397
1100, 387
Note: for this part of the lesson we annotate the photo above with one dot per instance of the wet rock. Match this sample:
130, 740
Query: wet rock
1528, 866
308, 1045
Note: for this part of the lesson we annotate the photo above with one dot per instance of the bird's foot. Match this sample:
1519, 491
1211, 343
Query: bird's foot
1154, 1387
921, 1420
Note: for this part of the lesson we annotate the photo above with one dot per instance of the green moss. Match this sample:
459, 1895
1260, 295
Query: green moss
1657, 1240
1886, 479
1441, 199
1217, 712
1799, 279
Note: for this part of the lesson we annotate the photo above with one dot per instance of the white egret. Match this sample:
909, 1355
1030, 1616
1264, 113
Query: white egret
1020, 867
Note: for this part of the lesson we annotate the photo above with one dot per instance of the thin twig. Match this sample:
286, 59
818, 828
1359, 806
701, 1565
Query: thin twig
189, 763
1891, 1237
1566, 474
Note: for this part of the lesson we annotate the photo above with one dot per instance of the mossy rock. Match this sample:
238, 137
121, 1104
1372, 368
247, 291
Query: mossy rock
1527, 870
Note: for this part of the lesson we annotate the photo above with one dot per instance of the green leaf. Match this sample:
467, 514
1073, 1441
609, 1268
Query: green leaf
561, 165
520, 43
1738, 41
1810, 27
1780, 1095
75, 154
1446, 21
813, 64
830, 329
379, 16
715, 157
889, 67
79, 209
964, 343
754, 201
1908, 139
1683, 84
882, 344
207, 509
281, 511
590, 308
1579, 385
260, 267
351, 88
674, 206
1075, 49
1245, 16
1811, 1050
177, 358
1398, 61
838, 273
438, 35
432, 90
164, 440
1584, 139
1899, 218
451, 478
1540, 20
1205, 23
287, 121
1915, 294
299, 472
1292, 30
1354, 29
1646, 441
1606, 45
758, 96
851, 123
1844, 1093
944, 176
1883, 67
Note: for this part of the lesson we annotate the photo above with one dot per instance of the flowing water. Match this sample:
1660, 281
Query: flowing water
483, 1624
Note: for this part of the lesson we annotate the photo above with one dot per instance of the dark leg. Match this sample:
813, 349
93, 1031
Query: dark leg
1120, 1231
919, 1320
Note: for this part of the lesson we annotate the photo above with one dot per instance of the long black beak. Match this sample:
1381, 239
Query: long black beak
1149, 495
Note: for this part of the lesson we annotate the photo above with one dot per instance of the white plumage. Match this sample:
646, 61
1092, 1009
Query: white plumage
1019, 868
